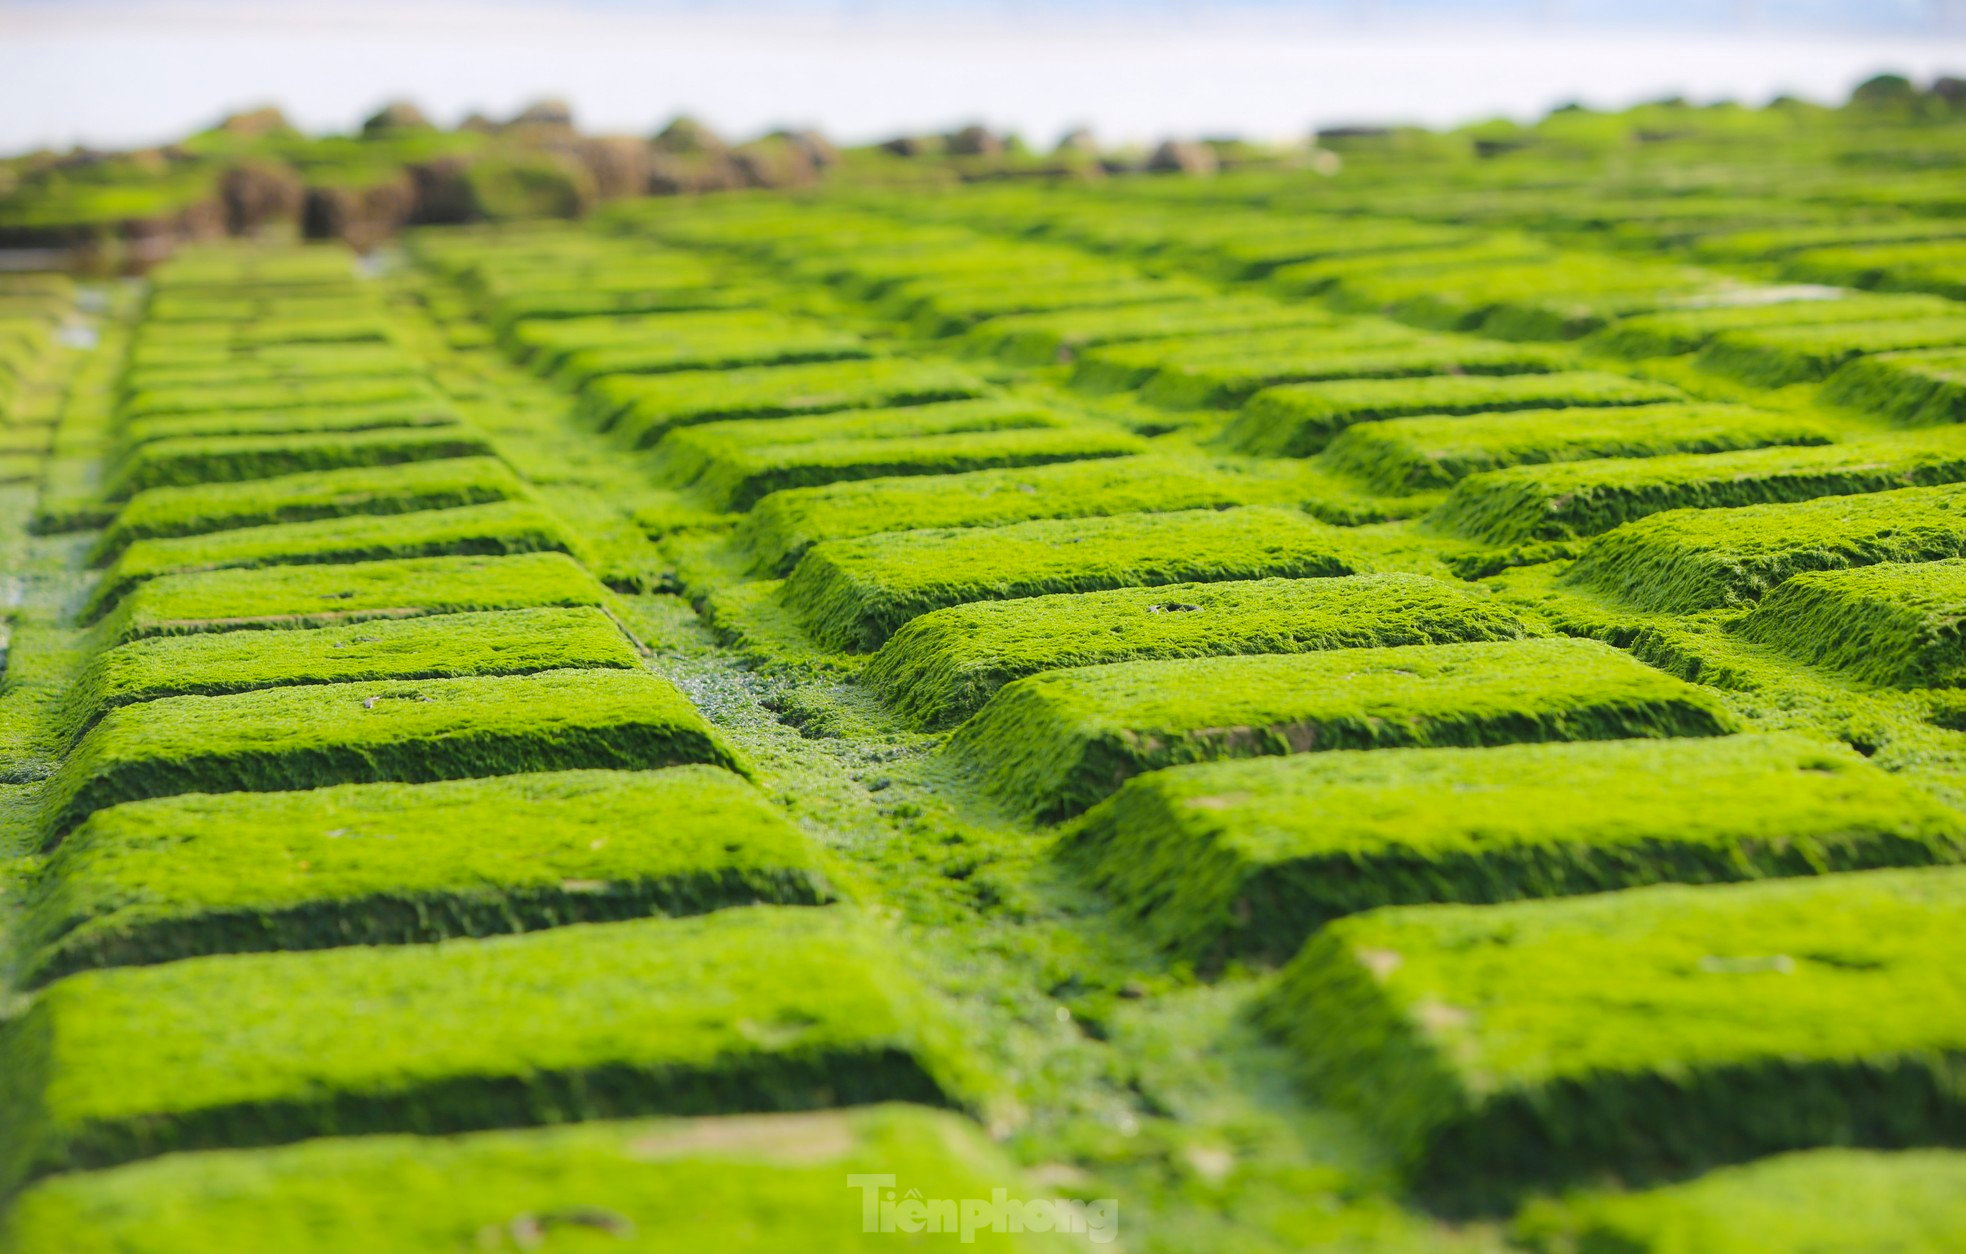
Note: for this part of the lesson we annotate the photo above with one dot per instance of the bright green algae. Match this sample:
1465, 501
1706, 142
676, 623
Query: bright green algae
296, 394
1684, 330
769, 340
1640, 1035
1807, 1202
745, 1184
943, 666
1915, 388
1403, 454
501, 528
367, 864
1044, 338
1689, 559
1298, 419
1570, 500
292, 422
163, 513
410, 731
1231, 381
1251, 857
282, 597
854, 594
1121, 366
1056, 743
760, 1008
1783, 355
1890, 624
781, 527
688, 453
736, 479
644, 408
509, 642
218, 459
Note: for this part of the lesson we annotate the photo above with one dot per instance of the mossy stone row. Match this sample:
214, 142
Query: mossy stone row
746, 1184
756, 1009
1647, 1035
854, 594
1271, 849
1055, 743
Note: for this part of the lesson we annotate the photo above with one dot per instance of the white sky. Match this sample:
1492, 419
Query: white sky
115, 74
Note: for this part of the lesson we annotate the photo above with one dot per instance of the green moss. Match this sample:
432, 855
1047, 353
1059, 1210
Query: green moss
739, 480
753, 1009
164, 513
707, 341
1224, 384
686, 453
1692, 559
1559, 502
1249, 858
326, 328
1043, 338
1929, 266
282, 597
503, 527
942, 667
1559, 297
1640, 1035
1783, 355
515, 314
1890, 624
546, 345
379, 731
1055, 743
854, 594
366, 864
320, 362
222, 459
1685, 330
642, 409
747, 1184
298, 394
1403, 454
1298, 419
1797, 1203
507, 642
937, 310
1128, 365
1915, 388
782, 526
247, 422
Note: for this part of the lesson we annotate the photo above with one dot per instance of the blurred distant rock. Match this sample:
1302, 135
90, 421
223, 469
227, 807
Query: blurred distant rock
686, 136
972, 141
1180, 156
397, 115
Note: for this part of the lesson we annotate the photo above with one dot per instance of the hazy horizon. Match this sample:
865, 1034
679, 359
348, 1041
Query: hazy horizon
116, 73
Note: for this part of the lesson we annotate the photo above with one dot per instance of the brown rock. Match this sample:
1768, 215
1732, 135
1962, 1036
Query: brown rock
266, 120
255, 193
361, 217
618, 163
397, 115
440, 195
557, 114
972, 141
1179, 156
774, 163
1077, 141
817, 148
686, 136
